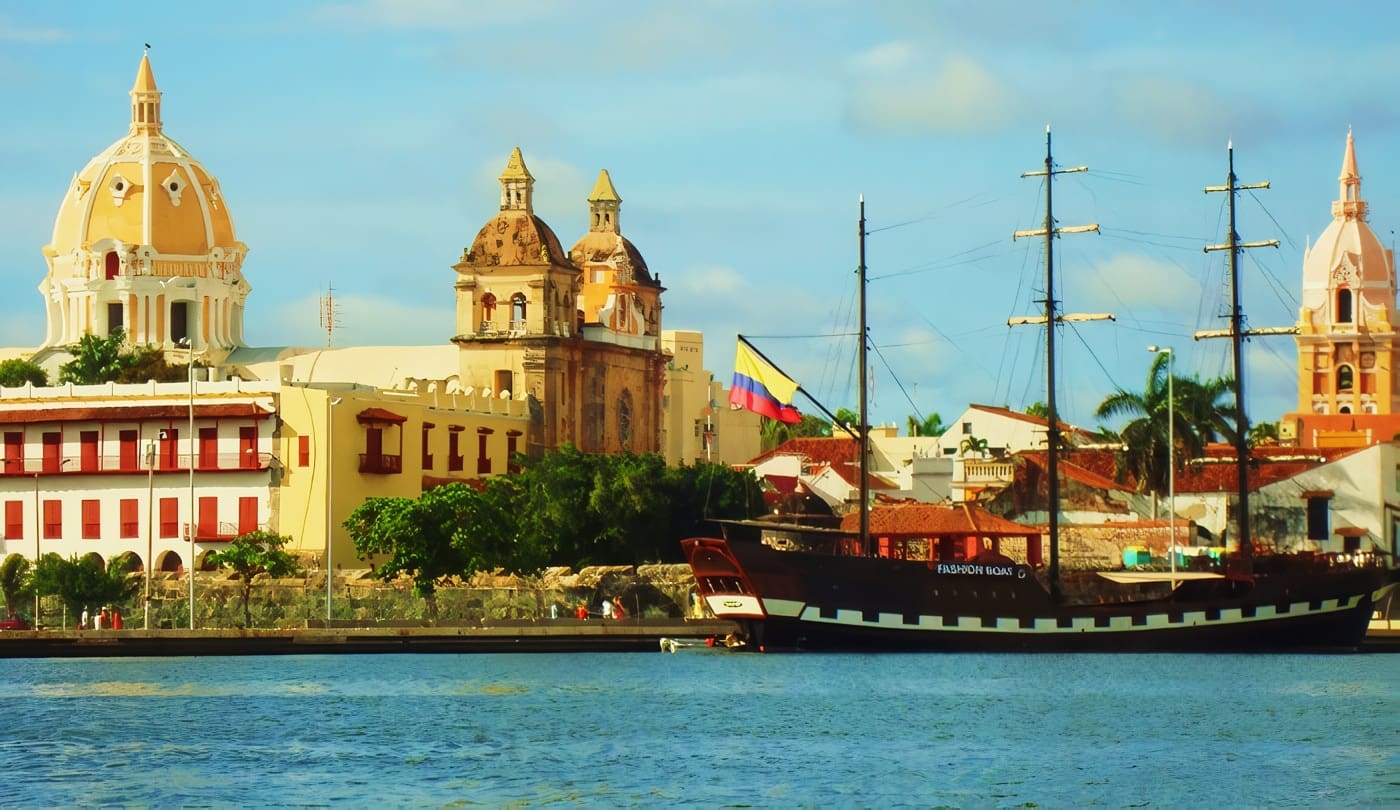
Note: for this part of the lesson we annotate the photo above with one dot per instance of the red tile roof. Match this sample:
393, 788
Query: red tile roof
934, 520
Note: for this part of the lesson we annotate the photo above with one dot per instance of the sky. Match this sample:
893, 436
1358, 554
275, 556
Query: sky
358, 146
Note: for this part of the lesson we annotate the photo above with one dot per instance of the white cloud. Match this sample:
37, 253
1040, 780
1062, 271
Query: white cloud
362, 321
884, 58
960, 99
1126, 283
27, 35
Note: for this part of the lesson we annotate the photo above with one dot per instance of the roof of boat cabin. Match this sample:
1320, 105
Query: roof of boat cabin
912, 519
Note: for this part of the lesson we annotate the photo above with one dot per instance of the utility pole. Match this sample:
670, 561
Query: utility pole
1237, 334
1050, 319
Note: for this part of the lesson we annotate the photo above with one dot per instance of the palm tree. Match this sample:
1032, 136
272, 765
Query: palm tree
973, 446
14, 582
931, 425
1197, 415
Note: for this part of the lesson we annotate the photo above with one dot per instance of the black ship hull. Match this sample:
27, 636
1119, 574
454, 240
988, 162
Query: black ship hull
816, 600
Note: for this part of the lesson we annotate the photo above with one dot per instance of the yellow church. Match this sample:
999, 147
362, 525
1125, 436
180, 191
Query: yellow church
551, 347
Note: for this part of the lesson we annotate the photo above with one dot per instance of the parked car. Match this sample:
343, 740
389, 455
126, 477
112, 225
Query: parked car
14, 623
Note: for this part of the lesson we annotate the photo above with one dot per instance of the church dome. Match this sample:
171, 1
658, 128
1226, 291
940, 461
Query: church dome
143, 242
515, 236
146, 190
1348, 254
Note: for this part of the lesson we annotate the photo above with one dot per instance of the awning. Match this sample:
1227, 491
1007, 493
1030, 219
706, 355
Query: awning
370, 416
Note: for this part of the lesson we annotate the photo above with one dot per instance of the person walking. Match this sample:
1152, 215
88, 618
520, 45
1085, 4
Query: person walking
83, 620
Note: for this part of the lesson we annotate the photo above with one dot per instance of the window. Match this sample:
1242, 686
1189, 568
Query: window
1343, 305
967, 428
454, 448
304, 450
505, 380
427, 456
112, 263
92, 519
1317, 517
87, 450
128, 513
114, 318
14, 520
53, 520
248, 448
53, 449
208, 448
14, 452
483, 461
247, 514
208, 525
170, 449
517, 312
1344, 378
126, 450
512, 447
169, 517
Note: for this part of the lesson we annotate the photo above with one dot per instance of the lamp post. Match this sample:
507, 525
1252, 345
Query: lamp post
150, 524
188, 343
38, 530
331, 402
1171, 454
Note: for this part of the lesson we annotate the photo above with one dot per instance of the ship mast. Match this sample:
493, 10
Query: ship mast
1237, 334
863, 430
1050, 319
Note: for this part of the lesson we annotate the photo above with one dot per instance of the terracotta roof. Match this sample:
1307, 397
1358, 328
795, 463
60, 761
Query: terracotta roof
131, 413
934, 520
1213, 472
379, 415
1030, 419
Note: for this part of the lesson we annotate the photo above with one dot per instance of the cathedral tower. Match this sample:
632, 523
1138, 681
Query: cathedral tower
1347, 342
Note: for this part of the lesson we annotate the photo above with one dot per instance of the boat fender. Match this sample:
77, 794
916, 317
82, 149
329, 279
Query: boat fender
1021, 573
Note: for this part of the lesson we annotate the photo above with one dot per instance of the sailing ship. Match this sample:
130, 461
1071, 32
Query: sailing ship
798, 585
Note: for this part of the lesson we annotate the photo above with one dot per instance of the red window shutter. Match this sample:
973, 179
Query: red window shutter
126, 450
87, 458
304, 451
53, 519
169, 517
247, 515
14, 520
131, 523
208, 517
92, 519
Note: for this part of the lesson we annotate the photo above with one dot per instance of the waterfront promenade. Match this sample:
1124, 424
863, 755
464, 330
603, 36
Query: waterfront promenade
561, 635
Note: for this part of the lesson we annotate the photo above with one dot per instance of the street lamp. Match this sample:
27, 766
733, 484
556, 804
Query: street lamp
1171, 455
187, 343
150, 523
330, 525
38, 530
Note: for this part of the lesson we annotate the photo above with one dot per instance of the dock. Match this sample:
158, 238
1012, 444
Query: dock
319, 639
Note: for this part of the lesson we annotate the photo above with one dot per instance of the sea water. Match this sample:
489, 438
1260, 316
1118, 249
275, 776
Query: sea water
703, 727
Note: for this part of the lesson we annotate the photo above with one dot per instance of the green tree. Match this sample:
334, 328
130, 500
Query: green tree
1263, 433
931, 425
95, 359
774, 433
149, 363
17, 371
1040, 409
451, 530
85, 582
14, 582
251, 554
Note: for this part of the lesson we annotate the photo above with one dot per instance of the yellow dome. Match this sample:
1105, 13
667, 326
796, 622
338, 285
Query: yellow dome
147, 190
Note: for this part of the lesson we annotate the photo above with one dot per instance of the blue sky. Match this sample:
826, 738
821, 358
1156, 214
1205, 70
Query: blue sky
358, 146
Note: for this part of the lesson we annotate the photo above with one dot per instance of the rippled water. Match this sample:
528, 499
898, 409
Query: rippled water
703, 727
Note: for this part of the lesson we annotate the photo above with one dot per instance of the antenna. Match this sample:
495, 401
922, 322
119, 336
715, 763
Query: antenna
330, 315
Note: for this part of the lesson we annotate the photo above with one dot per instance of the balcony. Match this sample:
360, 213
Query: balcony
986, 473
381, 464
180, 462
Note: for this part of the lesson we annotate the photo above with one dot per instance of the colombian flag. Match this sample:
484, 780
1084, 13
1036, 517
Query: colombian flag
762, 388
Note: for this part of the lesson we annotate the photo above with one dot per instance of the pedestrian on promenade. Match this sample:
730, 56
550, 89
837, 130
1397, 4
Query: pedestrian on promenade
582, 612
617, 609
554, 610
104, 619
116, 618
607, 608
83, 620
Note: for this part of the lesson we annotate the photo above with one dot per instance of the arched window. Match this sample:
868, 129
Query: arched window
517, 311
1344, 381
1343, 305
113, 264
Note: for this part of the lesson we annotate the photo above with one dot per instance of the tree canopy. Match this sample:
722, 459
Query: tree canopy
931, 425
85, 582
14, 582
252, 554
567, 508
99, 360
17, 371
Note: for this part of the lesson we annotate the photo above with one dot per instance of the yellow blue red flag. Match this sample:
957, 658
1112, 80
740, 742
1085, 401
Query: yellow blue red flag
760, 387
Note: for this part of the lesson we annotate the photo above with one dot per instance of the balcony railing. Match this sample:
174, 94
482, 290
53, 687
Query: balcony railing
381, 464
